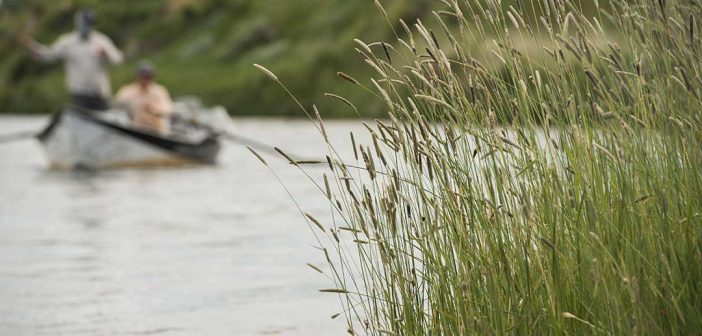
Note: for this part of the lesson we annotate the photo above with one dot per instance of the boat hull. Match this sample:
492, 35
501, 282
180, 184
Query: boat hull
77, 139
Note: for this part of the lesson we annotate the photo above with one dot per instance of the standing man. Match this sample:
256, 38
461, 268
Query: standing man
85, 54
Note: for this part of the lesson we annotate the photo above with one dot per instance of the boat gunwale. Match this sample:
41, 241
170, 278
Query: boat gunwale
209, 145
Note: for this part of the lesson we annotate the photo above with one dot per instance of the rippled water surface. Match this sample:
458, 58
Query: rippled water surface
193, 251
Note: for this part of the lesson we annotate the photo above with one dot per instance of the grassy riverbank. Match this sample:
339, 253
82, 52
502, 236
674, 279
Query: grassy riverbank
581, 215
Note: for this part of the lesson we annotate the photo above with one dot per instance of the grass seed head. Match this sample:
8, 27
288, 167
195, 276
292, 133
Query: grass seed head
316, 222
347, 78
258, 156
266, 72
286, 156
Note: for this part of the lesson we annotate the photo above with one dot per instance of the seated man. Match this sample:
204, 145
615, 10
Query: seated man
149, 104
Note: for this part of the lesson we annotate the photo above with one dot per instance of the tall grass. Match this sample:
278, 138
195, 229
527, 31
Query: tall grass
534, 176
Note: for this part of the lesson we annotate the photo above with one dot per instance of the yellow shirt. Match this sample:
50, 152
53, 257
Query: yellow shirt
150, 106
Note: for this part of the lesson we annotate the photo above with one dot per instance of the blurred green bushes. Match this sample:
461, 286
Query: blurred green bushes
207, 48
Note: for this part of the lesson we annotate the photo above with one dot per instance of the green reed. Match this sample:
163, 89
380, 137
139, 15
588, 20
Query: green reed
538, 173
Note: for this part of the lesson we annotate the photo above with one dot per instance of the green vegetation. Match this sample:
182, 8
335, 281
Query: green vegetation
581, 215
206, 48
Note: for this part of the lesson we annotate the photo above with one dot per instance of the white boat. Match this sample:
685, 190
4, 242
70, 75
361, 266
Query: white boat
80, 139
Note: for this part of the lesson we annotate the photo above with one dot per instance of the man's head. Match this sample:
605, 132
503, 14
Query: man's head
145, 73
84, 20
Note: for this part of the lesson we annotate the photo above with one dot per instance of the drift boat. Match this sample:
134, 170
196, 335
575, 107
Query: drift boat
81, 139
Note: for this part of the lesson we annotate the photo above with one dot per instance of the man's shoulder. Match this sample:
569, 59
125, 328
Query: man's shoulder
101, 37
127, 89
160, 88
71, 37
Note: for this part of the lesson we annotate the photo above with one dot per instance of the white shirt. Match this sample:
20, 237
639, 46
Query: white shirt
86, 71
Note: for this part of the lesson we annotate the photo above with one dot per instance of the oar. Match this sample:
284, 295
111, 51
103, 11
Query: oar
17, 136
259, 146
254, 144
246, 141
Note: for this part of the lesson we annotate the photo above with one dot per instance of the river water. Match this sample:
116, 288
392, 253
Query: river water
191, 251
